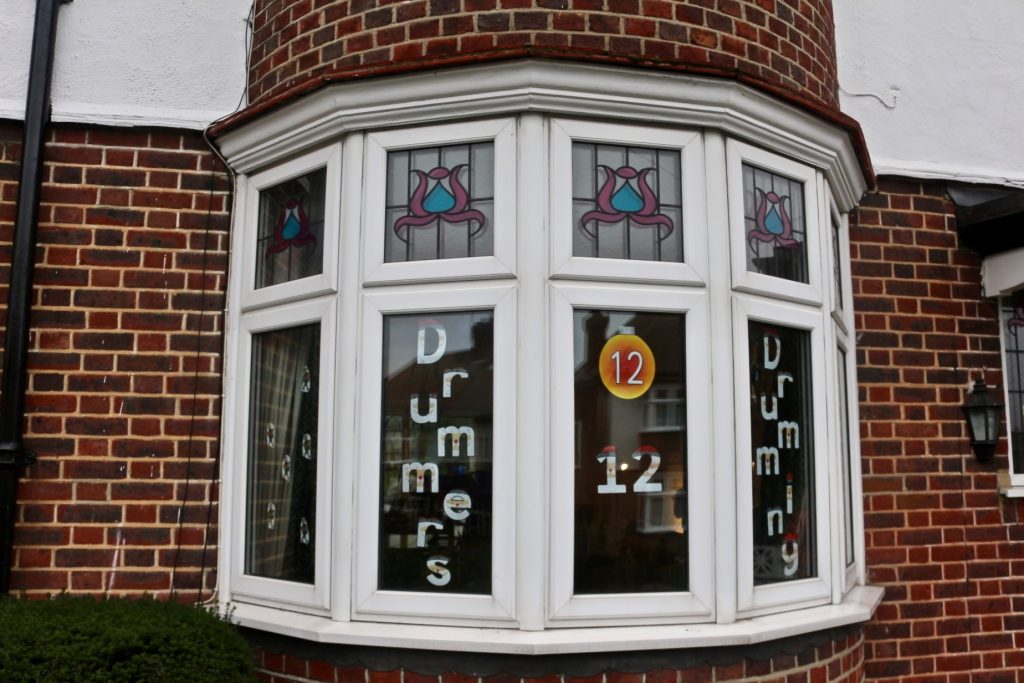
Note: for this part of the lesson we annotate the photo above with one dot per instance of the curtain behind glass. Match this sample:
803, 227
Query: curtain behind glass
280, 529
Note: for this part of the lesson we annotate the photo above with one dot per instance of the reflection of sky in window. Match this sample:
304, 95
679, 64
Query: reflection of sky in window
404, 328
615, 320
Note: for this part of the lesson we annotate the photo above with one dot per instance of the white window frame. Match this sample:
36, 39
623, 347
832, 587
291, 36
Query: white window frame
738, 153
516, 104
1001, 276
370, 602
1013, 485
693, 269
502, 132
327, 281
842, 301
265, 590
753, 600
697, 604
847, 435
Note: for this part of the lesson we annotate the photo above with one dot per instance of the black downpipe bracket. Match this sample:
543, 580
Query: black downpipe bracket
13, 455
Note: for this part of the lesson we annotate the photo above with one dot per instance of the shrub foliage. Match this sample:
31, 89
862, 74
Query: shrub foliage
139, 641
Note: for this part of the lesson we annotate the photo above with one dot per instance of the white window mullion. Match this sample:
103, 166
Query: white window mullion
347, 346
723, 433
532, 400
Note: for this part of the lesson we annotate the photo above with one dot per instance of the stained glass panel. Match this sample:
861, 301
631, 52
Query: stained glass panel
440, 203
436, 446
631, 510
627, 202
782, 454
775, 224
290, 237
283, 416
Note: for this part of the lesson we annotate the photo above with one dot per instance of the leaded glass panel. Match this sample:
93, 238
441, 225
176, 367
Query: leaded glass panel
775, 224
440, 203
627, 202
290, 238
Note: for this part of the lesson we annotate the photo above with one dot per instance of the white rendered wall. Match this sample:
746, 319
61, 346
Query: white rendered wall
937, 85
132, 62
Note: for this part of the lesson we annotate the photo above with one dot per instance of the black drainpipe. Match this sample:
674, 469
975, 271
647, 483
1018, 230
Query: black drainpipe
13, 455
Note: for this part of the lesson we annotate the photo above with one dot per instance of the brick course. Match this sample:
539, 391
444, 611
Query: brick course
786, 45
124, 360
836, 661
948, 548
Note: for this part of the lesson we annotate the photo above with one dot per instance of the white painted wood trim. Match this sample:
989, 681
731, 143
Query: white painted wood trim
647, 97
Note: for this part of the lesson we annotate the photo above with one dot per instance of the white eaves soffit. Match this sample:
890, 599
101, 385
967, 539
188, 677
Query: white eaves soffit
566, 89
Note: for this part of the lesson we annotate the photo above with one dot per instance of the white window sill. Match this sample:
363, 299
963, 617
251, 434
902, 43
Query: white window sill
1008, 487
1012, 491
858, 606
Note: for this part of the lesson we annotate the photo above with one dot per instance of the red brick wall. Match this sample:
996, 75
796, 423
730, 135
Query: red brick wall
125, 383
839, 661
124, 363
948, 548
784, 44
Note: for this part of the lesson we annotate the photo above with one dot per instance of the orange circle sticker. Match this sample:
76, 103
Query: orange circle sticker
627, 366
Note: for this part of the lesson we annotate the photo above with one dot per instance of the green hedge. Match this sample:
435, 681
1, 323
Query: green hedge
83, 640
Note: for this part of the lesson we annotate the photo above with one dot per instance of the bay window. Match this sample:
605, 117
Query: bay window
539, 369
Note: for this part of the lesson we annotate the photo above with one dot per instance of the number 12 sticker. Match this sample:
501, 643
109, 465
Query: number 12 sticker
627, 366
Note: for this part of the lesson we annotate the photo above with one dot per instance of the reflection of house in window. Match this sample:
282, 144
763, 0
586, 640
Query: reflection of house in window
664, 410
661, 512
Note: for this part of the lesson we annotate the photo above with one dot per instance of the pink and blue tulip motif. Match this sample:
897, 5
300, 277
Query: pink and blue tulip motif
772, 221
626, 193
293, 228
439, 194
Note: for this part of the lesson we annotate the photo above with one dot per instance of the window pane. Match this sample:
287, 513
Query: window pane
773, 213
836, 269
290, 241
782, 457
1013, 319
281, 521
844, 416
440, 203
630, 490
627, 202
436, 445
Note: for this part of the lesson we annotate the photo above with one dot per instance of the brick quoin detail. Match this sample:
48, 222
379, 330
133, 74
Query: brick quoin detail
839, 661
786, 45
947, 547
123, 405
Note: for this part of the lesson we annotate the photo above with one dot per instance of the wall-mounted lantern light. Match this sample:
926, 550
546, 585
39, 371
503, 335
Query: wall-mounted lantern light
984, 413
